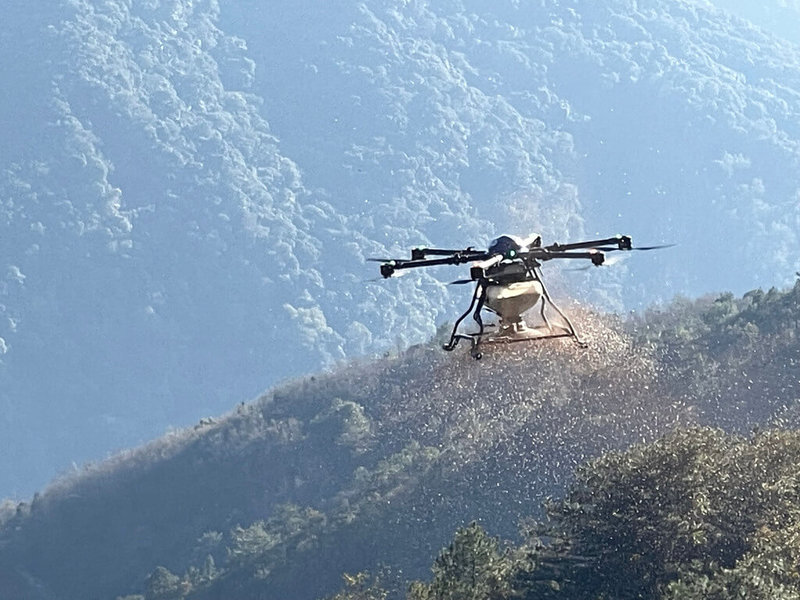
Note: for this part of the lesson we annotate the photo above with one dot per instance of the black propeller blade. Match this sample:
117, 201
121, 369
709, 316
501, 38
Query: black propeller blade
616, 249
612, 262
654, 247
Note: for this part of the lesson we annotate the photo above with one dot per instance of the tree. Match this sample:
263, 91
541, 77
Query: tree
471, 568
163, 585
697, 510
360, 587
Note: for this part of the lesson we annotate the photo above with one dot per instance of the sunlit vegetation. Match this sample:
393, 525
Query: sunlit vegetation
646, 454
737, 358
699, 514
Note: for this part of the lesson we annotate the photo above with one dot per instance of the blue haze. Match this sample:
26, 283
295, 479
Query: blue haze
188, 189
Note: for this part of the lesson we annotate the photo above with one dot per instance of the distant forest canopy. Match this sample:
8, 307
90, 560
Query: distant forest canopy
667, 451
188, 189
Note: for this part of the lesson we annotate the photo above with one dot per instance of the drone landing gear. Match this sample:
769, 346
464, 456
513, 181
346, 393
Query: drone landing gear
478, 300
512, 328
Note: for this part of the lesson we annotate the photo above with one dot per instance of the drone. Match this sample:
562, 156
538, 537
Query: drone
508, 282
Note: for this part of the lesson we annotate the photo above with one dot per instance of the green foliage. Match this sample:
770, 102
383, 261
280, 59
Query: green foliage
164, 585
255, 540
264, 545
206, 574
471, 568
732, 358
274, 552
206, 545
769, 571
360, 587
694, 498
699, 514
344, 423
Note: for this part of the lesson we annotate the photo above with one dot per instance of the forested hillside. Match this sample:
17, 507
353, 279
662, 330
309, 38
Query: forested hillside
698, 515
373, 468
188, 189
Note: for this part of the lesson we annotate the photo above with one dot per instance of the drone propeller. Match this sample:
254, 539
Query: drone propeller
619, 258
461, 281
615, 248
608, 262
659, 247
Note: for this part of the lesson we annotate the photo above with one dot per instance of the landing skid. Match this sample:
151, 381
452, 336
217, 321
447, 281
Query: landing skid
531, 334
525, 335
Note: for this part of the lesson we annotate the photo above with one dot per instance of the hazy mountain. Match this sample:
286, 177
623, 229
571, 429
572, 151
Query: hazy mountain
188, 189
781, 17
375, 465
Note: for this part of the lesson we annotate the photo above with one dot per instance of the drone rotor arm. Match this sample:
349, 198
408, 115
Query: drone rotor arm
640, 248
531, 250
596, 256
421, 253
617, 242
459, 257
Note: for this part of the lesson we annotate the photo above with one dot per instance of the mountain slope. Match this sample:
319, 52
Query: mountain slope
418, 443
323, 470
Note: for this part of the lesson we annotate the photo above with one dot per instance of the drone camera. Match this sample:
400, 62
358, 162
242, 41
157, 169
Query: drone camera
387, 270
